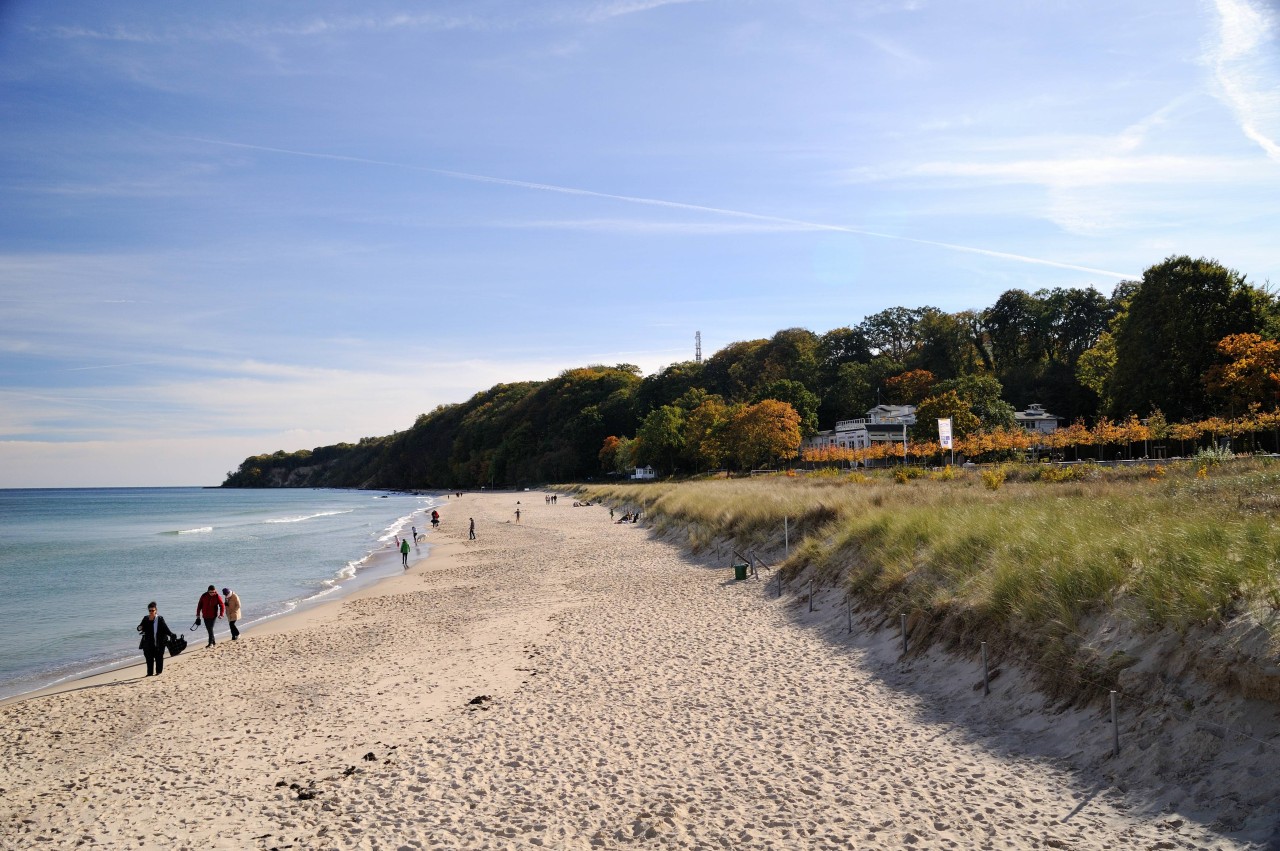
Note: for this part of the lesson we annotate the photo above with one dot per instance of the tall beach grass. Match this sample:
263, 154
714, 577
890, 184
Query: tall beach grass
1034, 558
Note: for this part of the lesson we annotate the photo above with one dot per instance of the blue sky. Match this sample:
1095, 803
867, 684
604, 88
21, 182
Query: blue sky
239, 227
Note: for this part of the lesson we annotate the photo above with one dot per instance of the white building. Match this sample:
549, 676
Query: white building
882, 424
643, 473
1035, 418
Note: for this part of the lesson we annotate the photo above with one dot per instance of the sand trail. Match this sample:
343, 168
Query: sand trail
564, 682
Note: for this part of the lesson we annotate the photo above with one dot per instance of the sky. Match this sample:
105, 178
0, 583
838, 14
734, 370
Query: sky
232, 228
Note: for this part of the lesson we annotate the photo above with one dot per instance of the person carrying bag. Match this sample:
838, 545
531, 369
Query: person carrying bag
155, 637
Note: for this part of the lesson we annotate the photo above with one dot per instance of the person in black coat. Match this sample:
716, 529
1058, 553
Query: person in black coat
155, 637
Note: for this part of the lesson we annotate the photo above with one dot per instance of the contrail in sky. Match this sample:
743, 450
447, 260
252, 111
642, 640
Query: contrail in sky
674, 205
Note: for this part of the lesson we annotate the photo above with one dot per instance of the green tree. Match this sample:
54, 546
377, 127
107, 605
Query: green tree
732, 372
855, 389
948, 343
798, 397
983, 395
666, 385
1168, 338
1095, 365
894, 332
660, 440
945, 404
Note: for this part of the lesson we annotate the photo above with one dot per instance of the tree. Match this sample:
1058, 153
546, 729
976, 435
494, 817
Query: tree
660, 439
705, 434
982, 393
839, 346
1168, 339
1015, 330
944, 405
608, 454
893, 332
762, 433
854, 390
1250, 374
789, 355
948, 343
909, 387
1094, 368
731, 372
798, 397
667, 384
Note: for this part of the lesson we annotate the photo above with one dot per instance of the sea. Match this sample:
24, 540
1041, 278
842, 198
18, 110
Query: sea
79, 566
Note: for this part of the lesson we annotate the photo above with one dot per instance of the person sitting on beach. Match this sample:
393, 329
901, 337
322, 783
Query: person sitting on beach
209, 608
155, 637
232, 602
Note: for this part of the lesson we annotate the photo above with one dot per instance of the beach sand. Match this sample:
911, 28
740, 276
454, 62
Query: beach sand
564, 682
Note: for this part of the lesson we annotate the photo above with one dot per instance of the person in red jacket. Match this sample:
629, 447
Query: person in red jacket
209, 608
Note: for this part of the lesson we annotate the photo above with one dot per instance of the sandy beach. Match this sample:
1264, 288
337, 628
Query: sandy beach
561, 682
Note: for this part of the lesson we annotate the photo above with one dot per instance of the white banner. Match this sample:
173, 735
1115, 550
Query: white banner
944, 433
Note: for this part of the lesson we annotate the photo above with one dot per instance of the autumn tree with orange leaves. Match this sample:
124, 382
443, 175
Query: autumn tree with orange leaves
1250, 374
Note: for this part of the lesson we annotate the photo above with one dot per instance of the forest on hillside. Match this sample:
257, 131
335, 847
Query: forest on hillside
1192, 339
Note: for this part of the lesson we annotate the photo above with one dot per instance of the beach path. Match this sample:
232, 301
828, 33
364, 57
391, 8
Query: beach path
565, 682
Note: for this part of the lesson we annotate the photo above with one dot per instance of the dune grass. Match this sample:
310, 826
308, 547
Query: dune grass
1034, 557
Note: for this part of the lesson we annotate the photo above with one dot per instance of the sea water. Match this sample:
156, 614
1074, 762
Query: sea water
78, 566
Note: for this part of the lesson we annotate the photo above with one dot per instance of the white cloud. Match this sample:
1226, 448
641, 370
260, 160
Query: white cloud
1246, 70
1094, 171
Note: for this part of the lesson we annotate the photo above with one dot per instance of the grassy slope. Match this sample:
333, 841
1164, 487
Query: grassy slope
1032, 562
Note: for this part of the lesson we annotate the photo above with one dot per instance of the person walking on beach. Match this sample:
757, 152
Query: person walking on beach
155, 637
517, 515
471, 533
209, 608
404, 553
232, 602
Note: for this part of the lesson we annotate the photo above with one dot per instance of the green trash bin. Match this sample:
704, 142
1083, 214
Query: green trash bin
740, 571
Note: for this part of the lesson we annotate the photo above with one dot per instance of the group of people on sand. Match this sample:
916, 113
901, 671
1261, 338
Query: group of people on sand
403, 543
157, 637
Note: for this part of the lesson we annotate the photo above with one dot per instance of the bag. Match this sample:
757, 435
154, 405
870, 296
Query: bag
177, 644
196, 625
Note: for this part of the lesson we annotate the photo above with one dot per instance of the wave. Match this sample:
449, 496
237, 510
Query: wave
308, 516
197, 531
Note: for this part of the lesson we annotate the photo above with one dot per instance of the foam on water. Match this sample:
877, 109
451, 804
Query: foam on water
113, 550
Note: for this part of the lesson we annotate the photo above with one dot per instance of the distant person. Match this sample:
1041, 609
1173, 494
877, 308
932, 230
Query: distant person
415, 534
610, 513
209, 608
517, 515
471, 533
232, 602
404, 553
155, 637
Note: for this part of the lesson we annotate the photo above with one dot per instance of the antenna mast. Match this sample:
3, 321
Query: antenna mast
697, 347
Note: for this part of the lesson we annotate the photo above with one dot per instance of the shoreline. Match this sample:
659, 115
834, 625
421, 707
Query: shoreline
267, 624
567, 682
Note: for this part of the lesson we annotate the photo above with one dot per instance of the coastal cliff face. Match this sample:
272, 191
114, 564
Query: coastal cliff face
511, 434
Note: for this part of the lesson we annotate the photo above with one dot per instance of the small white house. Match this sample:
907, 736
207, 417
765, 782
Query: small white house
644, 473
1036, 419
